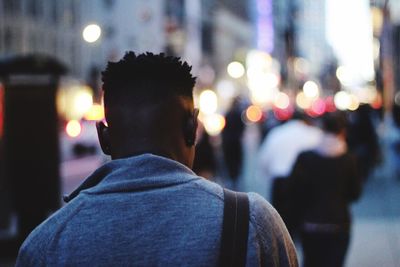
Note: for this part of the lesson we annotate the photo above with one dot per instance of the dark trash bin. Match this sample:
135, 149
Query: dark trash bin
29, 150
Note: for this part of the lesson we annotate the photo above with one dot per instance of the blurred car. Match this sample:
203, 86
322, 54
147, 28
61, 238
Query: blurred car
78, 138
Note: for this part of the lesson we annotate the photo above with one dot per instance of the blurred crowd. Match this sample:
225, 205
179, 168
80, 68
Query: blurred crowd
314, 168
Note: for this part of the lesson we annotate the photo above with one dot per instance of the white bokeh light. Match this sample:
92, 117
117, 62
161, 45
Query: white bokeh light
91, 33
342, 100
235, 69
214, 124
208, 102
311, 89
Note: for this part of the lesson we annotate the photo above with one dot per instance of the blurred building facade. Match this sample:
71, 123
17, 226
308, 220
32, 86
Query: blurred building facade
49, 27
210, 32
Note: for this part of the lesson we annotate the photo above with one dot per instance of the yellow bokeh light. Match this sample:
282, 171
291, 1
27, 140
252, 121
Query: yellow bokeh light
83, 102
74, 101
208, 102
235, 69
214, 124
73, 128
302, 101
354, 103
95, 113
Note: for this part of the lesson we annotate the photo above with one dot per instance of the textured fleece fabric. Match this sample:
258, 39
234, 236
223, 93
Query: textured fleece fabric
150, 211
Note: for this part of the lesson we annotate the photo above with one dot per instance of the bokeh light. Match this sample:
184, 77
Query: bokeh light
344, 75
95, 113
262, 96
73, 128
318, 107
208, 102
354, 103
235, 69
378, 102
91, 33
330, 104
310, 89
83, 101
214, 124
254, 113
283, 114
302, 101
342, 100
281, 100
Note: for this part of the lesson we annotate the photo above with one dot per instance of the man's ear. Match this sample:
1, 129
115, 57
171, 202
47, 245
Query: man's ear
104, 137
191, 128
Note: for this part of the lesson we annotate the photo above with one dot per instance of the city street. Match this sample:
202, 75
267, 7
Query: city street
376, 227
72, 71
376, 216
375, 237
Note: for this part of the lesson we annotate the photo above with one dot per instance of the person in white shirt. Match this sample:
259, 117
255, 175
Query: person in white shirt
278, 153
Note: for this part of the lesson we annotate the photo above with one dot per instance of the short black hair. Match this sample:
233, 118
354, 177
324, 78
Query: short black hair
334, 122
141, 79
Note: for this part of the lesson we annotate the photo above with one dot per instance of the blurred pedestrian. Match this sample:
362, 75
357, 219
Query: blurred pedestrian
363, 140
323, 183
395, 140
205, 163
146, 207
278, 153
232, 141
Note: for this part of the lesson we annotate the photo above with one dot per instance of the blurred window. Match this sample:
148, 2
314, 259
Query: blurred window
11, 6
174, 9
108, 4
8, 39
54, 11
239, 8
32, 8
53, 44
206, 38
74, 13
32, 42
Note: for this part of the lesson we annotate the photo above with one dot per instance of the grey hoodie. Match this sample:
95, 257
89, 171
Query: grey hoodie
150, 211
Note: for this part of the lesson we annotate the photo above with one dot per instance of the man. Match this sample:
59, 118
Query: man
146, 207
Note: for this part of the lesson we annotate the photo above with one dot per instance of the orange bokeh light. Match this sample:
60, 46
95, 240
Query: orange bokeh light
254, 113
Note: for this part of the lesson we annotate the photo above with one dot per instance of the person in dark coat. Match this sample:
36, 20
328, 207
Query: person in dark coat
232, 141
363, 141
323, 183
204, 164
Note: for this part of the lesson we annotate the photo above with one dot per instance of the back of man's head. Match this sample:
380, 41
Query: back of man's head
146, 79
334, 122
148, 101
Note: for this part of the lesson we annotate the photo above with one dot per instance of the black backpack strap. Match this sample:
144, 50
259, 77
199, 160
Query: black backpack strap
235, 229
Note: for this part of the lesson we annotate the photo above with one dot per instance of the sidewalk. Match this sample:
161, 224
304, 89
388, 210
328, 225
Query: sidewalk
376, 226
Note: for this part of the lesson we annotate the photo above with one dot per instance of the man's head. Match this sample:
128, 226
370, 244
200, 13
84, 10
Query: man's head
148, 102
